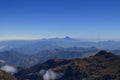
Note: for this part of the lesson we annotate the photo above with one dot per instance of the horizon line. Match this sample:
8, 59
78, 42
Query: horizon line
12, 38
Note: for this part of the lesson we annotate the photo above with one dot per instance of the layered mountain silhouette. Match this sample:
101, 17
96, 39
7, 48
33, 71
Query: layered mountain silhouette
102, 66
21, 60
35, 46
13, 58
105, 54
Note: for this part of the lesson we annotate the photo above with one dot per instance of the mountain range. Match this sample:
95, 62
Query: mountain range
21, 60
102, 66
35, 46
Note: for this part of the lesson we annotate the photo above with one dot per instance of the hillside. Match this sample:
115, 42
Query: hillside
6, 76
103, 66
13, 58
21, 60
67, 42
30, 47
12, 44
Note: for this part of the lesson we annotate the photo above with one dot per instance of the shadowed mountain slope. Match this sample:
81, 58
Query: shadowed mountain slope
103, 66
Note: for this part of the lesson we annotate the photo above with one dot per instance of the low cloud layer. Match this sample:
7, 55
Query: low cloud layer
19, 38
42, 71
2, 47
2, 61
50, 74
9, 69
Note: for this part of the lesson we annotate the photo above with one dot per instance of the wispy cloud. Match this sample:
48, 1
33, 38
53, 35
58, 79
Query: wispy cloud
9, 69
1, 47
2, 61
18, 38
50, 74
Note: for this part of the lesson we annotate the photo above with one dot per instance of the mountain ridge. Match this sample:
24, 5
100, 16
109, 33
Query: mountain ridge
34, 46
91, 68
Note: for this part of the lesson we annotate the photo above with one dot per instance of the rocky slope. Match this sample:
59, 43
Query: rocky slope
6, 76
103, 66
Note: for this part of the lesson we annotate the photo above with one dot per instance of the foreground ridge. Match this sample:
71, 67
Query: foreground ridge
6, 76
103, 66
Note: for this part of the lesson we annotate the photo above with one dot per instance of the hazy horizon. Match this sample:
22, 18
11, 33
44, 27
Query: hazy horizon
37, 38
37, 19
59, 39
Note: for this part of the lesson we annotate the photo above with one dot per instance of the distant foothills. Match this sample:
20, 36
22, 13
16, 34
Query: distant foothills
35, 46
102, 65
59, 59
23, 53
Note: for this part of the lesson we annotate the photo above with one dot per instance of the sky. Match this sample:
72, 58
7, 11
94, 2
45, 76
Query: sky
84, 19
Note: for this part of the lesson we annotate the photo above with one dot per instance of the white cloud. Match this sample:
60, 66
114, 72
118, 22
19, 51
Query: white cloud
2, 47
42, 71
2, 61
50, 74
9, 69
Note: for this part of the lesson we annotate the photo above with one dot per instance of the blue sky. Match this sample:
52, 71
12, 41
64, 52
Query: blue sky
85, 19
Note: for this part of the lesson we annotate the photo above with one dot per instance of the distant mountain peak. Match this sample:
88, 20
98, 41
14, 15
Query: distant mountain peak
67, 37
105, 54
